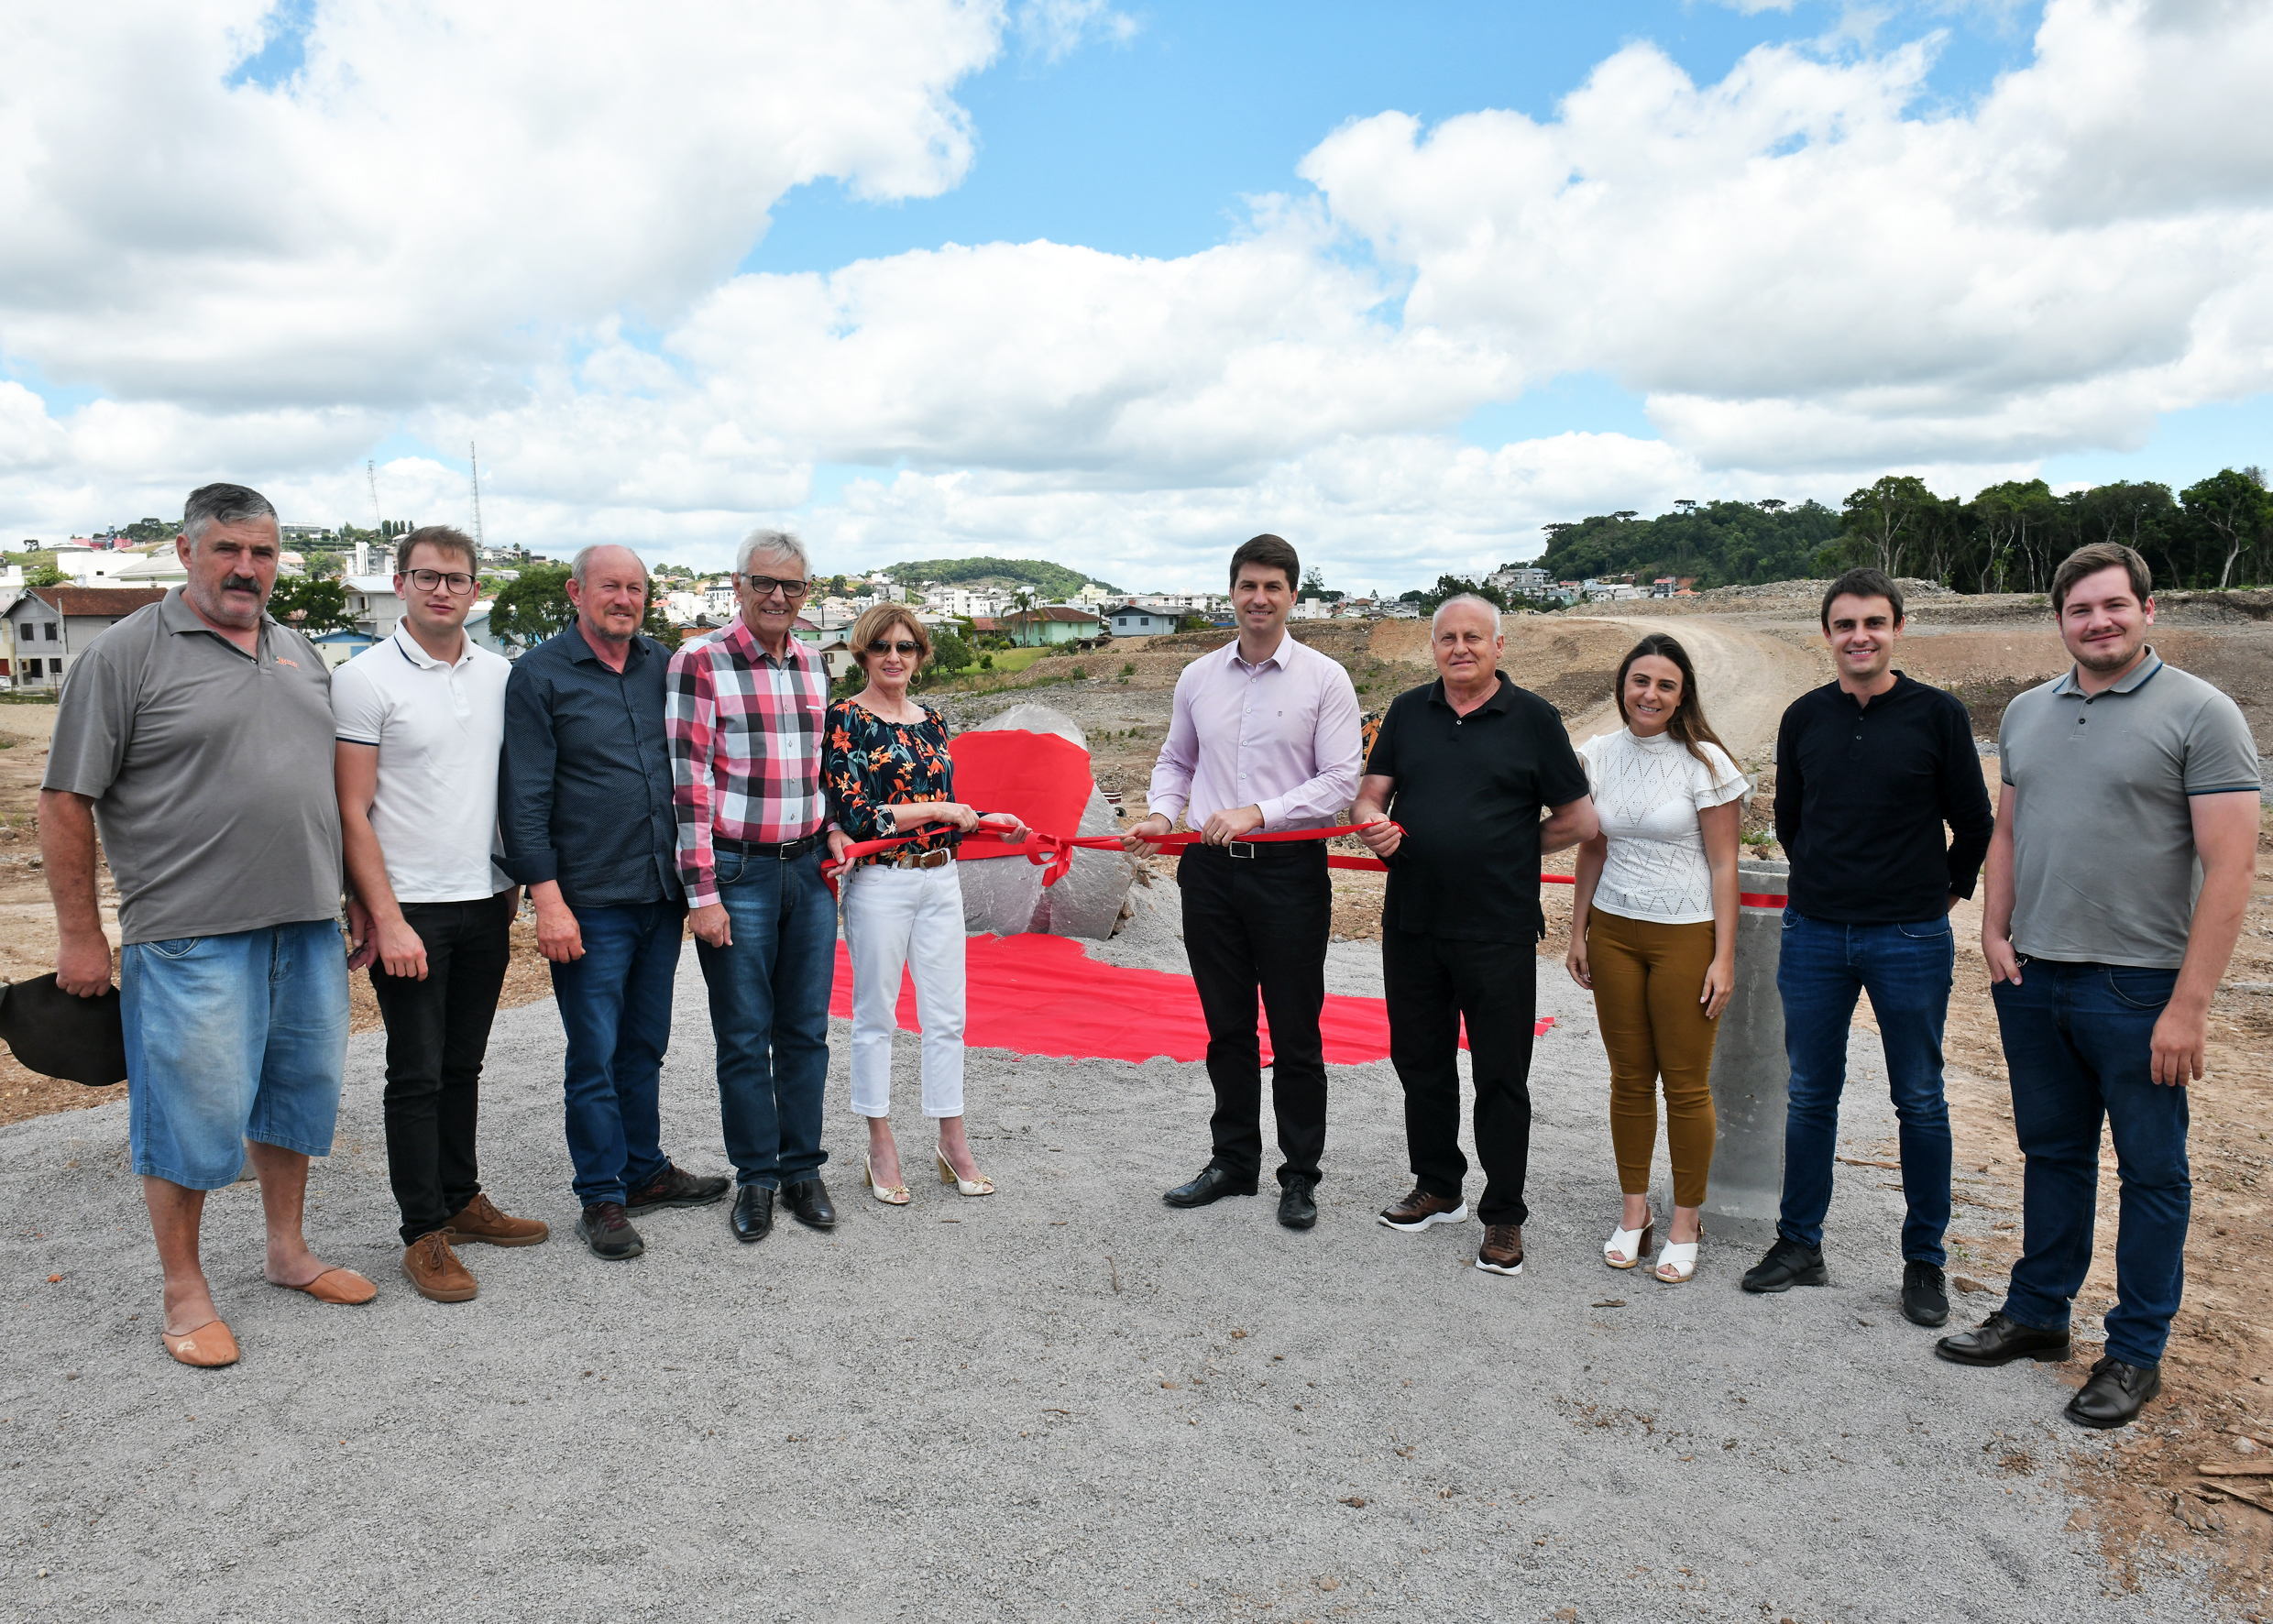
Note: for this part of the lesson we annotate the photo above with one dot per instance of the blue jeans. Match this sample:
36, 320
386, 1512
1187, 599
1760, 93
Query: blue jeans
1906, 969
769, 1011
615, 1003
231, 1037
2077, 1046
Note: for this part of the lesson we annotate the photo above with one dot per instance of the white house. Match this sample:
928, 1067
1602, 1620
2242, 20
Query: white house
372, 605
1134, 620
49, 627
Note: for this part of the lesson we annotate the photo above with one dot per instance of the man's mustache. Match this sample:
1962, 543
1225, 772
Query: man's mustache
240, 584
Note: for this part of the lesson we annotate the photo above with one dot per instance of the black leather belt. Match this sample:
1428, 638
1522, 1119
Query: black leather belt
787, 850
1247, 851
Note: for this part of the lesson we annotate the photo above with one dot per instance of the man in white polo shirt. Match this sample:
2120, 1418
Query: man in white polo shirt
420, 718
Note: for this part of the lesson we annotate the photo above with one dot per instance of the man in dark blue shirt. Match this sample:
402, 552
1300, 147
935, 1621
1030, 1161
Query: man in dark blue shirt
584, 804
1869, 769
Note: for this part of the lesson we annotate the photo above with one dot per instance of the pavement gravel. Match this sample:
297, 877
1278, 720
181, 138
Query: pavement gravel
1065, 1401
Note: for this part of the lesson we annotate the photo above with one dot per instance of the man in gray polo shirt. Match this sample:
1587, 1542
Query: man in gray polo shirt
196, 734
2126, 840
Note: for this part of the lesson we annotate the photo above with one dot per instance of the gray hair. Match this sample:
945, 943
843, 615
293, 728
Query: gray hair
580, 566
1485, 604
772, 541
223, 504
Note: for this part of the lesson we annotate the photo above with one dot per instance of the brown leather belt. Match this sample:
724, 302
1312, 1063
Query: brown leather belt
922, 859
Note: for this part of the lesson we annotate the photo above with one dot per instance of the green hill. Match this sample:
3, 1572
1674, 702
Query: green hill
1046, 580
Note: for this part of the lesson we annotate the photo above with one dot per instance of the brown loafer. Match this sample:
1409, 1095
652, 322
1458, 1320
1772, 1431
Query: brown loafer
208, 1347
433, 1270
481, 1221
342, 1287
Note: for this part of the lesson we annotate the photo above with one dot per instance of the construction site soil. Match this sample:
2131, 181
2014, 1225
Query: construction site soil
1755, 649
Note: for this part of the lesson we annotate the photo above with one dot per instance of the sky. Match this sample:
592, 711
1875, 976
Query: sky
1120, 284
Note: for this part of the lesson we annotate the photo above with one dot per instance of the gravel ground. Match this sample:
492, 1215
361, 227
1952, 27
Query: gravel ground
1155, 1413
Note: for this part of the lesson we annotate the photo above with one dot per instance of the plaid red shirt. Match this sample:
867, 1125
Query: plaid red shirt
745, 732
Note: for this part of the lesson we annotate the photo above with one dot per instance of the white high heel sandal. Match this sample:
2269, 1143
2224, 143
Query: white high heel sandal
1627, 1248
982, 1185
1680, 1257
890, 1195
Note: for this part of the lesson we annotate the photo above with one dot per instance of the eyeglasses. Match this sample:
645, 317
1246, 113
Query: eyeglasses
426, 580
766, 586
880, 646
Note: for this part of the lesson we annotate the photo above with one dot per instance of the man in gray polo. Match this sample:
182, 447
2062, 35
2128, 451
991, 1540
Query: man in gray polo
2126, 842
196, 734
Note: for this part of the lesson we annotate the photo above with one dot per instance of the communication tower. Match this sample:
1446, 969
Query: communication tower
473, 461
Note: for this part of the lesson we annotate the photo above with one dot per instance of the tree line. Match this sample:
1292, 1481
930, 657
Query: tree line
2214, 533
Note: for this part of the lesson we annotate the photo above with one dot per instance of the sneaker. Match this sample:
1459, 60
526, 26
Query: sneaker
433, 1270
1924, 1295
673, 1188
1421, 1209
1502, 1251
1787, 1263
481, 1221
603, 1227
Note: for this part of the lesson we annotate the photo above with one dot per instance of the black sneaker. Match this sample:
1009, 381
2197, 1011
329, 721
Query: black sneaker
1787, 1263
1924, 1294
674, 1188
603, 1227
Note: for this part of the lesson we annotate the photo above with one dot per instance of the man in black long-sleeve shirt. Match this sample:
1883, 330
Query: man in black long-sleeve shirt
584, 811
1869, 769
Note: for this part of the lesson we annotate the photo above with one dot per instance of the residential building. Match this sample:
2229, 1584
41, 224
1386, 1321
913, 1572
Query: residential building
162, 566
49, 627
372, 605
1134, 620
1093, 596
1522, 580
837, 658
1051, 624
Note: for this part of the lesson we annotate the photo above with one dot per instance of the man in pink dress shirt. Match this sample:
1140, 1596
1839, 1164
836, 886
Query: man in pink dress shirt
1264, 738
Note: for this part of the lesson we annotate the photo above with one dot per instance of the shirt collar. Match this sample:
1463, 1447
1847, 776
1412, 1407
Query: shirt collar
175, 614
2139, 677
404, 641
1277, 656
578, 649
1497, 701
745, 641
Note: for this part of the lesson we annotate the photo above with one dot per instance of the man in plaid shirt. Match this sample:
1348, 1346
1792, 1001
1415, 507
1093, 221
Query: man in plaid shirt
743, 716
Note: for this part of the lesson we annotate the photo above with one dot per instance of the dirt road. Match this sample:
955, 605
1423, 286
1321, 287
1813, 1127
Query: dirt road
1745, 677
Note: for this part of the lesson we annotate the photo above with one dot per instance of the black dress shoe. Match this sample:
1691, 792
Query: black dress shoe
674, 1187
1787, 1263
809, 1204
1924, 1295
1212, 1185
2114, 1395
753, 1218
1298, 1204
1999, 1341
603, 1227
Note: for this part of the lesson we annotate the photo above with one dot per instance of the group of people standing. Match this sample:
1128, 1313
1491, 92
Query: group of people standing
636, 794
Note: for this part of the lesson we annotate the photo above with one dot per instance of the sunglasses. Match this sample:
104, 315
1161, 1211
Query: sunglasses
766, 586
879, 646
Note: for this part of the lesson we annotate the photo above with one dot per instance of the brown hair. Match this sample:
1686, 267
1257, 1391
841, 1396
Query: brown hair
1688, 724
874, 624
437, 535
1863, 583
2090, 560
1272, 552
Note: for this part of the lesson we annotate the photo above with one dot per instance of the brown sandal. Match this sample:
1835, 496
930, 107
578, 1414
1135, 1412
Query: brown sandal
343, 1287
208, 1347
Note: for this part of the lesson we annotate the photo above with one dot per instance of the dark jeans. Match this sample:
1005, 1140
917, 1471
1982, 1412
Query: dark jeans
1250, 924
615, 1003
769, 1011
1432, 985
1905, 970
2078, 1048
437, 1032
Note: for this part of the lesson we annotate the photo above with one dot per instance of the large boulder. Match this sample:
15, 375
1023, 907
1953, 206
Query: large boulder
1004, 895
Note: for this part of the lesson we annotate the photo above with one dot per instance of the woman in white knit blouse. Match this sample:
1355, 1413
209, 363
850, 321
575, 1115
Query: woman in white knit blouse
1654, 935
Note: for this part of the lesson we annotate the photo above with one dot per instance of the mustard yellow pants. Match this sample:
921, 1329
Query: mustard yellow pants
1646, 978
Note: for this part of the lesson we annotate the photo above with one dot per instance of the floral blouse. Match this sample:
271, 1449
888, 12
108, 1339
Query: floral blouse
867, 762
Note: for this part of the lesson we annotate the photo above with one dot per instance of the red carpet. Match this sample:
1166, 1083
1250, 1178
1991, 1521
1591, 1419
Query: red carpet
1042, 995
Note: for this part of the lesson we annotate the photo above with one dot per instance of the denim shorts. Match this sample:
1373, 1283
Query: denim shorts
231, 1037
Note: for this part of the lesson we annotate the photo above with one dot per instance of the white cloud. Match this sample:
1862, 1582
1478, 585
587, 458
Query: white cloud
453, 225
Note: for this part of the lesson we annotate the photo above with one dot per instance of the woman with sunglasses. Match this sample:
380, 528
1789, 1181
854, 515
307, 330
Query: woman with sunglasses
885, 766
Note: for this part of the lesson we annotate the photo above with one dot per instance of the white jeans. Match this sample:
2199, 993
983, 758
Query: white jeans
896, 916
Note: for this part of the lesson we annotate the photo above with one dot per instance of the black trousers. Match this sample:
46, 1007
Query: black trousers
437, 1032
1432, 985
1260, 923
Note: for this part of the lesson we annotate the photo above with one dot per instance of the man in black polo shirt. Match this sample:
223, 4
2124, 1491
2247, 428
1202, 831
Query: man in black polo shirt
1869, 768
1466, 766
